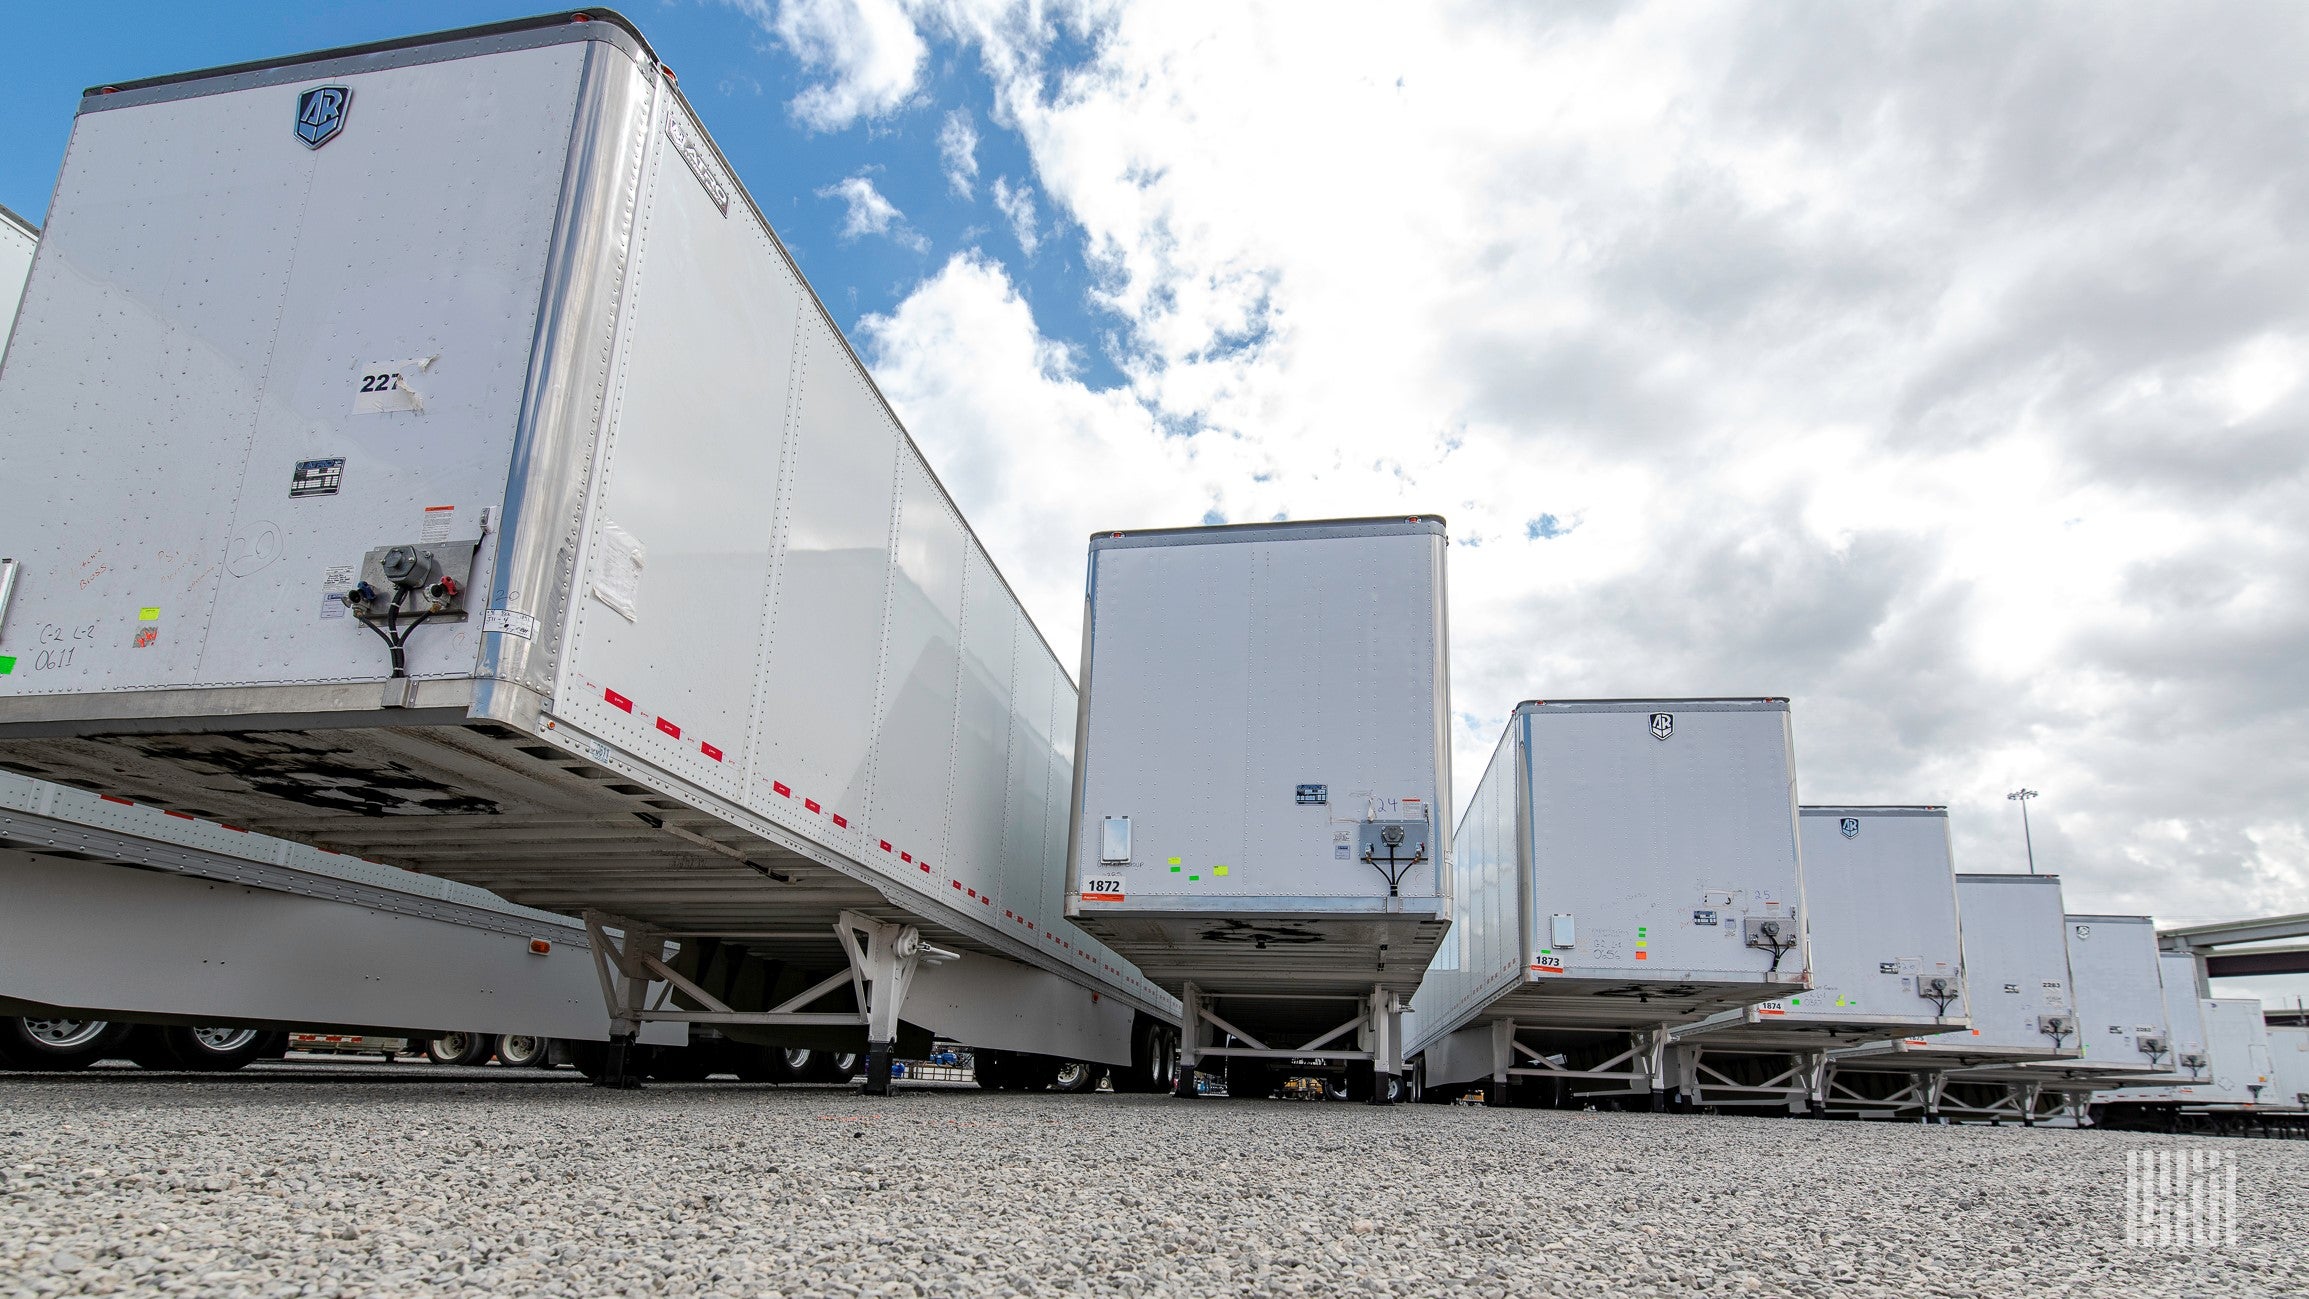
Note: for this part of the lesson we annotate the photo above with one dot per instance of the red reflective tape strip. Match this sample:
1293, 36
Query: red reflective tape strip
905, 856
669, 728
840, 822
885, 844
958, 884
810, 803
924, 865
783, 792
617, 700
109, 798
710, 751
974, 893
236, 829
181, 816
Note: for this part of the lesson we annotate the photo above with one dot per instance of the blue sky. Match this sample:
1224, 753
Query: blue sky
738, 76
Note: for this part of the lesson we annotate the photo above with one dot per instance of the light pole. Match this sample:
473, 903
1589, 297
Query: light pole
2021, 796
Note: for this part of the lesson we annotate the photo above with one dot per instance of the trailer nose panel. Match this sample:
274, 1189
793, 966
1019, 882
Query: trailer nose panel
244, 363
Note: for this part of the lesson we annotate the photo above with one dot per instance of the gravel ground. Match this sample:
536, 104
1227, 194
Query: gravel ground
491, 1183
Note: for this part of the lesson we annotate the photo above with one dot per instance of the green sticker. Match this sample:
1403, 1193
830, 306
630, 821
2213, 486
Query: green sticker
1642, 932
1175, 869
7, 664
1196, 878
1795, 1001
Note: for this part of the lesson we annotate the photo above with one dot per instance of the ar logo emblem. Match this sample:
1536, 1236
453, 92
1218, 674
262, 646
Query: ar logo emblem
321, 114
1663, 725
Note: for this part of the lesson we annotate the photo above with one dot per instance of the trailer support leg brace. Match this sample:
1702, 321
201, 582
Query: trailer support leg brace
1386, 1046
625, 986
883, 958
1190, 1041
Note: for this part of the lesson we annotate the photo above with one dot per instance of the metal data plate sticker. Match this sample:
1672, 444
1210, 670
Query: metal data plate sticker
1104, 889
512, 622
317, 477
1312, 794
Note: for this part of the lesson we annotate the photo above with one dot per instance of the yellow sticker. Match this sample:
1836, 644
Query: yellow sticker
148, 614
1218, 870
1175, 861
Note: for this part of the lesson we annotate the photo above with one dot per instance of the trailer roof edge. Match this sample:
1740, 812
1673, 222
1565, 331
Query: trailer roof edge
592, 24
1214, 533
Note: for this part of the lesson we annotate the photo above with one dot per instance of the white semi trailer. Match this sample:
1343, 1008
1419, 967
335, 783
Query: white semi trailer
1626, 866
1264, 771
18, 239
1887, 962
2023, 1008
2123, 1033
461, 475
128, 928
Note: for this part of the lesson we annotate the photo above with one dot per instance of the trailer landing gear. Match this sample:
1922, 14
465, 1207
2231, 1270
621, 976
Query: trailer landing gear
883, 956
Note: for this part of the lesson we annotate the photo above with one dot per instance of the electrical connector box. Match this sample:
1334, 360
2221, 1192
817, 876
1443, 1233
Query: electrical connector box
1771, 933
431, 578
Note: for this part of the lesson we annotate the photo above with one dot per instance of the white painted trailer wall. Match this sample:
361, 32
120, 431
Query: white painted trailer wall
1613, 869
2120, 994
19, 239
2288, 1065
191, 920
2017, 982
735, 664
1261, 705
2238, 1065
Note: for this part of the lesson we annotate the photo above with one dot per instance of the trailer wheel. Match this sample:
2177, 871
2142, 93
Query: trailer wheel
681, 1064
217, 1049
1154, 1057
1339, 1089
991, 1069
516, 1051
43, 1044
1075, 1076
460, 1048
833, 1066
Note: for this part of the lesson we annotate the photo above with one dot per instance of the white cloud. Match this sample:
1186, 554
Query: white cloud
958, 150
1938, 368
1036, 459
868, 51
872, 214
1017, 204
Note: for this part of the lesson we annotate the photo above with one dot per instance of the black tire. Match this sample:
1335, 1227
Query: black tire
592, 1059
1342, 1089
221, 1049
55, 1044
520, 1051
1074, 1076
991, 1070
834, 1066
148, 1046
461, 1048
1154, 1056
681, 1063
770, 1064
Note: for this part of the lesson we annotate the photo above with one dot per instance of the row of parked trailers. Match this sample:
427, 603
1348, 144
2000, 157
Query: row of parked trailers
501, 504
